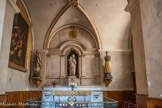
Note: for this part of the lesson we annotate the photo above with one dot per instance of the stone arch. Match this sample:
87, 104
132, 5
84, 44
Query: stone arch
64, 9
75, 25
72, 44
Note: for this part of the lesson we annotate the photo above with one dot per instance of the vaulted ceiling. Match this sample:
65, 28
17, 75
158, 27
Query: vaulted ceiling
108, 16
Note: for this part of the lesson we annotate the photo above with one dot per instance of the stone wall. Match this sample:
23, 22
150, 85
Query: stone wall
2, 11
138, 47
151, 15
113, 29
11, 79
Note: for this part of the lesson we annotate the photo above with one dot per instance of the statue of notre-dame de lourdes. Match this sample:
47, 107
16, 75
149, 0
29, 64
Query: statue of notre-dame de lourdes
72, 65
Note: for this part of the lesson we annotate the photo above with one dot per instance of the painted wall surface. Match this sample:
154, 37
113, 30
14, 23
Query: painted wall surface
2, 11
42, 13
5, 47
138, 51
151, 14
11, 79
120, 61
121, 70
113, 28
111, 21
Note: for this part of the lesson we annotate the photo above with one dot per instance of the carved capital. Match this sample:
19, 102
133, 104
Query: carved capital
73, 3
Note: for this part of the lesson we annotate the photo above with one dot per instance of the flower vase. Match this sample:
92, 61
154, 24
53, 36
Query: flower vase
72, 88
54, 85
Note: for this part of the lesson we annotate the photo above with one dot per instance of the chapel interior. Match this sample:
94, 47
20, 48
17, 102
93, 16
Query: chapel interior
81, 53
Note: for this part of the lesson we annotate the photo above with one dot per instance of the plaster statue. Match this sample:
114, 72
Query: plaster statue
107, 63
37, 64
72, 65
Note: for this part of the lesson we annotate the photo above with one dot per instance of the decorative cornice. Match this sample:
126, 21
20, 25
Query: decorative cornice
14, 5
131, 5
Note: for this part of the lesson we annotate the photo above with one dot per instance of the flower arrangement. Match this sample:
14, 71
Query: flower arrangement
72, 85
54, 83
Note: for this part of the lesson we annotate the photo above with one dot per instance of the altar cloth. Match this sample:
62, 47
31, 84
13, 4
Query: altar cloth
63, 88
88, 94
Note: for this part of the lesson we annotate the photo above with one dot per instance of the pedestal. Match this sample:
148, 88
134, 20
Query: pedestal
107, 79
71, 79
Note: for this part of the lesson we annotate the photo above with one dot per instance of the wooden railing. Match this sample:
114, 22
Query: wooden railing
127, 104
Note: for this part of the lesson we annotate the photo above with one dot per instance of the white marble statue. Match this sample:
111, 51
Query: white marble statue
72, 65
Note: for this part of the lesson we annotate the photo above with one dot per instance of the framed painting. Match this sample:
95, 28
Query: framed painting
20, 43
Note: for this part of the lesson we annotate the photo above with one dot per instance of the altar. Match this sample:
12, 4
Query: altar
80, 94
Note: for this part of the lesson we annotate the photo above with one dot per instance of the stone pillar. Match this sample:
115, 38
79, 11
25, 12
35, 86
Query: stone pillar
80, 66
62, 66
83, 66
2, 11
97, 66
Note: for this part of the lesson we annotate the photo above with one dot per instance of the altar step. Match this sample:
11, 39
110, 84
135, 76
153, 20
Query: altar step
108, 103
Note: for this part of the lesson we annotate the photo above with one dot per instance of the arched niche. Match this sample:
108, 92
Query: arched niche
88, 64
84, 36
65, 50
69, 54
72, 44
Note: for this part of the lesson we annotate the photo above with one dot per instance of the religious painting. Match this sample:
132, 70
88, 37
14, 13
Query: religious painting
20, 43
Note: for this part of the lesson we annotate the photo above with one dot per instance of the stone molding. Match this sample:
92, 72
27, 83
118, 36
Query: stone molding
131, 5
59, 15
14, 5
69, 25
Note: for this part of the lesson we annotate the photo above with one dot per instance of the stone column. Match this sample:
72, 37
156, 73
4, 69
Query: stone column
82, 68
62, 66
97, 66
2, 11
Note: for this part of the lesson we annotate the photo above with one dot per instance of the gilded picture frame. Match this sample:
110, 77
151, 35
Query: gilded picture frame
20, 42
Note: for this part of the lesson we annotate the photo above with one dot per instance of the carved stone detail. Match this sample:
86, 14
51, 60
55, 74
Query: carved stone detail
107, 82
73, 3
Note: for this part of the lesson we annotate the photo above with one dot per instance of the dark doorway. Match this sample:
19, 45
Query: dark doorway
77, 64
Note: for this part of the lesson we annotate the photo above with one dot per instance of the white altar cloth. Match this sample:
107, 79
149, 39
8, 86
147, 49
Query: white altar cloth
95, 96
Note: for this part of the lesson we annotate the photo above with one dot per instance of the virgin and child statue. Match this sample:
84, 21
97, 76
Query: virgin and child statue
72, 65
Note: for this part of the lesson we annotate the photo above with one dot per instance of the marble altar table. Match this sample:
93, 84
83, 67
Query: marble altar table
80, 94
65, 94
